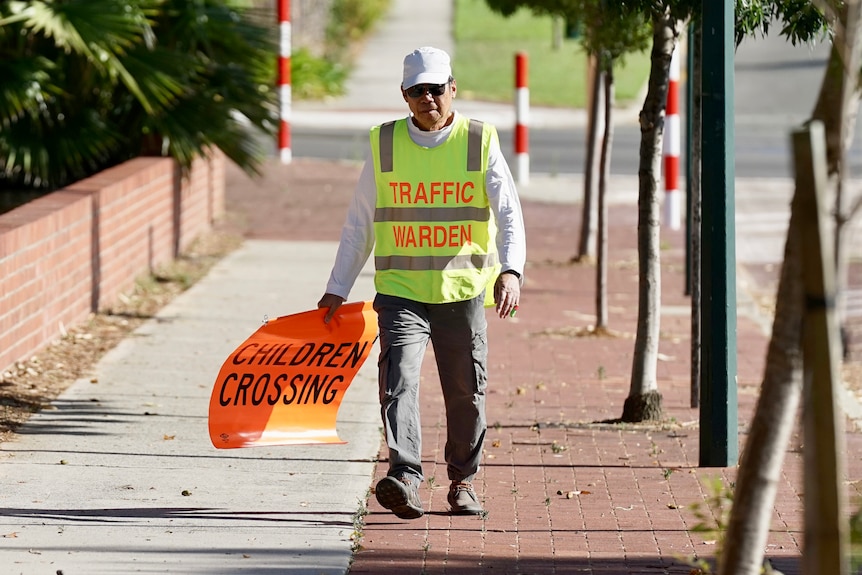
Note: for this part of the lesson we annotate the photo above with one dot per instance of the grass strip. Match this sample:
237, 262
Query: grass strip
484, 59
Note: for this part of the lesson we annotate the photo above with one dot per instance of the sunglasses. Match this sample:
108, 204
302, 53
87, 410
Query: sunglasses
419, 90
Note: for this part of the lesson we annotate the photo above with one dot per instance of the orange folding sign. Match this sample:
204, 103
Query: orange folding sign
285, 383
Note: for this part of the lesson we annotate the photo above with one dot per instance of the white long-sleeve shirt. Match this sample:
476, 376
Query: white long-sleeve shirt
357, 235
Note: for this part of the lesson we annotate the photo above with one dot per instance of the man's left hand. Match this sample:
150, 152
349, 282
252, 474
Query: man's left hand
507, 294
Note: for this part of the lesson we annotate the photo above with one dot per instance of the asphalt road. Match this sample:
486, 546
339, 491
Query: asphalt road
775, 88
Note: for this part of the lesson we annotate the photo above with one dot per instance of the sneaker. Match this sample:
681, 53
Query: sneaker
462, 498
399, 496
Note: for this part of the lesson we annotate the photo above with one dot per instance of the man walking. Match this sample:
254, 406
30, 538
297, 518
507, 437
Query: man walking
437, 204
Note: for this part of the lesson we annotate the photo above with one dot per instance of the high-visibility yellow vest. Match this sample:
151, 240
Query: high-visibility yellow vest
434, 227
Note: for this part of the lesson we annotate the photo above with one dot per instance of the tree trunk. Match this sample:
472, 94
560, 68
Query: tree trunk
559, 30
607, 72
760, 468
837, 99
644, 399
837, 107
589, 215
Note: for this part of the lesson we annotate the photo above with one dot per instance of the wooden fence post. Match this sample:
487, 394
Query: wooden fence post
825, 549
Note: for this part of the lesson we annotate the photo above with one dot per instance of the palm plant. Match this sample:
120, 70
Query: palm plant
88, 84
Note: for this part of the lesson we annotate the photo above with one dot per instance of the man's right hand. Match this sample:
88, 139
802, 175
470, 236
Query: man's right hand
331, 301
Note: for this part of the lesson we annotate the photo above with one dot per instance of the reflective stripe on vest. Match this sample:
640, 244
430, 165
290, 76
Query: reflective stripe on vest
474, 146
436, 263
431, 214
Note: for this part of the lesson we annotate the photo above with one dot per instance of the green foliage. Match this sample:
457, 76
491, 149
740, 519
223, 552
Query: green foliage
315, 78
800, 20
508, 7
712, 516
352, 20
359, 524
91, 83
612, 29
484, 59
614, 32
712, 522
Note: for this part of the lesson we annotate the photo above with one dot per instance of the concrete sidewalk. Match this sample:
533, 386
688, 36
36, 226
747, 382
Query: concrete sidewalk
119, 476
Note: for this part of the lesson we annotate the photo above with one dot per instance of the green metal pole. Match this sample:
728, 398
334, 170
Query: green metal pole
719, 426
689, 128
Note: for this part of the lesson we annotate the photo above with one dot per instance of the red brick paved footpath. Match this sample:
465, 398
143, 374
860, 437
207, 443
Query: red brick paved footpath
550, 387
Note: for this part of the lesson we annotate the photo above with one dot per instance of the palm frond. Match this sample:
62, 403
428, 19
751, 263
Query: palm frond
36, 152
91, 82
27, 84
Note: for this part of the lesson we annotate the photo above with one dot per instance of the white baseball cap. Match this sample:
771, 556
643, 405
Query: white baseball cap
426, 65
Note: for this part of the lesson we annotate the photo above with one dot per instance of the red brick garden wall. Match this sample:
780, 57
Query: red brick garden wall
74, 251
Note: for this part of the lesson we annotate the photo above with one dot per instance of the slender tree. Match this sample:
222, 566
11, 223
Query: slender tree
644, 401
664, 18
837, 107
608, 34
587, 241
607, 75
606, 31
611, 34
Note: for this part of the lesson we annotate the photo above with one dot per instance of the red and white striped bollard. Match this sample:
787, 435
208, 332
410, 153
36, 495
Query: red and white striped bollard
285, 96
671, 148
522, 119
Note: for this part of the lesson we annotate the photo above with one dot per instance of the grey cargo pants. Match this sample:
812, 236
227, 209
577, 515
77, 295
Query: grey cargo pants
458, 332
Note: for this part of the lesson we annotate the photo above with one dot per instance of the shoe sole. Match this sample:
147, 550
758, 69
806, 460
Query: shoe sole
467, 511
391, 495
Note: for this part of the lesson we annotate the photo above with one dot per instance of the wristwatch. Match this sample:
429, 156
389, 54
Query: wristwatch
513, 272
